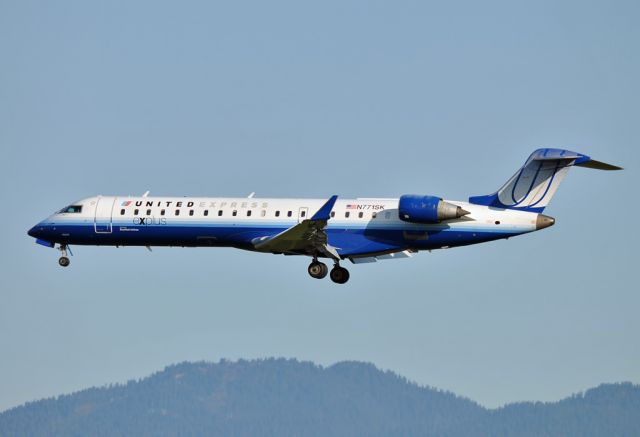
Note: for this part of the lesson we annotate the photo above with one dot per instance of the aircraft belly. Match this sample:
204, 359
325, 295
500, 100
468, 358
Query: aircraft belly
347, 241
358, 241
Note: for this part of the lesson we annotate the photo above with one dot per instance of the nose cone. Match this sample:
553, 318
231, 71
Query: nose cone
544, 221
33, 232
38, 231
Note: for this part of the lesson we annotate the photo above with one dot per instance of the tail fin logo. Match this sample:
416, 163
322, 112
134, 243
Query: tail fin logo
534, 185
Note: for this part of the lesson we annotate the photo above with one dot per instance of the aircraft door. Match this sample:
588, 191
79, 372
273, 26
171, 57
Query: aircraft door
103, 217
303, 212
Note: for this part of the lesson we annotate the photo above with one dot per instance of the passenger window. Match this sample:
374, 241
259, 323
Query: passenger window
346, 214
289, 213
360, 214
162, 212
387, 215
206, 212
122, 212
234, 213
177, 212
219, 213
333, 214
277, 213
249, 213
148, 212
303, 213
263, 213
135, 212
374, 215
190, 212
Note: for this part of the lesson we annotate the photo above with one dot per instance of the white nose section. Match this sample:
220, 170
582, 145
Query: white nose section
544, 221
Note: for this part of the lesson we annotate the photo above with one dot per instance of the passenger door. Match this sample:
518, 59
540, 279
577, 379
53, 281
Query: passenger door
104, 214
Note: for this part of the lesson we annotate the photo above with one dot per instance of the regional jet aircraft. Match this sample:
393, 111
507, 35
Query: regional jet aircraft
359, 230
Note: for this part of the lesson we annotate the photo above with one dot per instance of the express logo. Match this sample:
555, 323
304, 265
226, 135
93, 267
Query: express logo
149, 221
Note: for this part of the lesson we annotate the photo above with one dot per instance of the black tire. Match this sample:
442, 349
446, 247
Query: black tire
325, 270
339, 275
317, 270
64, 261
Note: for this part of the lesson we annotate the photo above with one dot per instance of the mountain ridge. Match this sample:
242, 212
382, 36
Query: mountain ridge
277, 396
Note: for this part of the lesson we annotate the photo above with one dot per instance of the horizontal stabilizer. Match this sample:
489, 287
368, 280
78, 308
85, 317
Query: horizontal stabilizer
598, 165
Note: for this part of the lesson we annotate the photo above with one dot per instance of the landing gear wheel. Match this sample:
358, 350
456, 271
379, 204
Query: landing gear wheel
318, 270
339, 275
63, 260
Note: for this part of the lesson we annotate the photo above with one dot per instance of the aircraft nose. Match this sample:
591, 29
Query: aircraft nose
35, 231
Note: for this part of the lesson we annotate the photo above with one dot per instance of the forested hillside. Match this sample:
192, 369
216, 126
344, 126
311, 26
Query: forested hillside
278, 397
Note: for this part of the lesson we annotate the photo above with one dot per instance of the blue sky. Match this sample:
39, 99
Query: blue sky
308, 99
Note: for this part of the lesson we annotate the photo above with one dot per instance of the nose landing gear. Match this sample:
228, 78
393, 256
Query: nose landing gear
63, 260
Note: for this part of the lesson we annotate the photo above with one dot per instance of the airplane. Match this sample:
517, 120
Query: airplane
360, 230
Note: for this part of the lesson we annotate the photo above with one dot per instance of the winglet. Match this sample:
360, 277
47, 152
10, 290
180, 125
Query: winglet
324, 213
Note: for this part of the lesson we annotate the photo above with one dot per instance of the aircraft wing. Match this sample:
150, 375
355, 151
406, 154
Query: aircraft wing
306, 237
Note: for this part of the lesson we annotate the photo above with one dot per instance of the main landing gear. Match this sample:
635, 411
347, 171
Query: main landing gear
319, 270
63, 261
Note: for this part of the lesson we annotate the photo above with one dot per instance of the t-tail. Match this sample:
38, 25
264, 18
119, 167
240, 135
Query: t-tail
533, 186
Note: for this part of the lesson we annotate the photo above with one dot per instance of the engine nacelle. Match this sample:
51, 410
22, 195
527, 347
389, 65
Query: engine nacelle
427, 209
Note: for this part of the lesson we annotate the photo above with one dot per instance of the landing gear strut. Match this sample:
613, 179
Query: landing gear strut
339, 275
317, 269
63, 261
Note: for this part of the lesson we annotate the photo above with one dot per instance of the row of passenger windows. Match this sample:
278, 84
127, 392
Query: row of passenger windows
263, 213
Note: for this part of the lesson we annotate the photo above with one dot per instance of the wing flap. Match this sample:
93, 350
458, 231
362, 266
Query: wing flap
401, 254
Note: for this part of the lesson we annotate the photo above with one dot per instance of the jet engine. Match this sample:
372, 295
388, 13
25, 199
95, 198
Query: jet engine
427, 209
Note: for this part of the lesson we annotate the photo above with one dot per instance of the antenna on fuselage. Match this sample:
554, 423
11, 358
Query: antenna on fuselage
146, 193
250, 196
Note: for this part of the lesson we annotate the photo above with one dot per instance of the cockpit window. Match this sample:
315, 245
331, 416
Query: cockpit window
72, 209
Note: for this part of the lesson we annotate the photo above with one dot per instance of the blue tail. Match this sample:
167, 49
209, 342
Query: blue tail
533, 186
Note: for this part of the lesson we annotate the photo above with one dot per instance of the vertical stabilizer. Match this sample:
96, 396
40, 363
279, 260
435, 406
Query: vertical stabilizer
535, 183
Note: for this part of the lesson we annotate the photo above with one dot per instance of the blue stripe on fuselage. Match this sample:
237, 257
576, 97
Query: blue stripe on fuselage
352, 239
